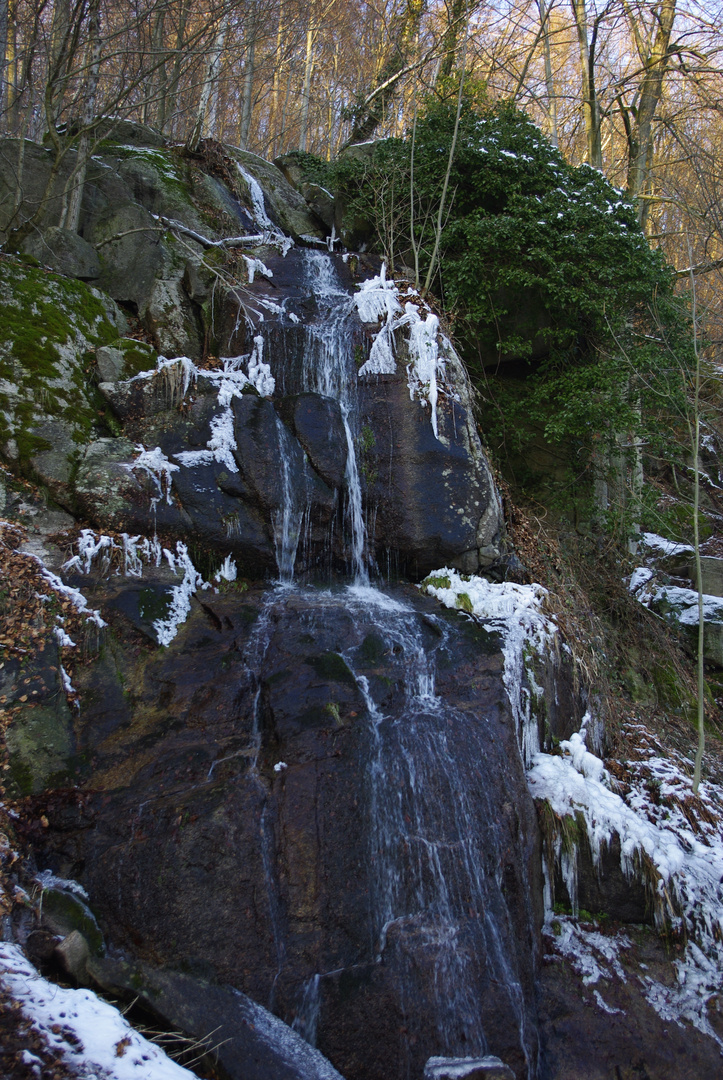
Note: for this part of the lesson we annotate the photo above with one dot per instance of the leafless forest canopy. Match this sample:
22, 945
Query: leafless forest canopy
631, 86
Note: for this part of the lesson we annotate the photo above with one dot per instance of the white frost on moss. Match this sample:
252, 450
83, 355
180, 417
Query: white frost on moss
136, 550
91, 1037
227, 571
74, 595
515, 611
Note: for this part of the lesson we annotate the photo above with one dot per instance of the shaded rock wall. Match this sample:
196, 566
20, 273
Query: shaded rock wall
197, 851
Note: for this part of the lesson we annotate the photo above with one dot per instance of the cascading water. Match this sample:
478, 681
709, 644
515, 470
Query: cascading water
437, 896
431, 849
328, 369
287, 520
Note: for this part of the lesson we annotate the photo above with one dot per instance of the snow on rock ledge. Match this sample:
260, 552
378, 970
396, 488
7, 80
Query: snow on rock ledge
379, 300
92, 1037
516, 612
682, 865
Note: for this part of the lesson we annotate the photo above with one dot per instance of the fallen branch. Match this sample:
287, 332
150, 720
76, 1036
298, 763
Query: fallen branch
227, 242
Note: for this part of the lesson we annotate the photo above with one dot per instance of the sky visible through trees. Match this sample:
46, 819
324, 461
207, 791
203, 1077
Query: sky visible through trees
631, 86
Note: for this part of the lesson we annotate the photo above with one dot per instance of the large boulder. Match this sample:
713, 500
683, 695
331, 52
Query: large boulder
49, 407
66, 252
250, 1042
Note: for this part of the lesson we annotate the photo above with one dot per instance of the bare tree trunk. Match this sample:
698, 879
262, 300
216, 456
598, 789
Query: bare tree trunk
377, 104
590, 105
284, 113
545, 9
172, 104
70, 217
4, 66
306, 90
212, 72
155, 102
654, 55
276, 83
455, 15
440, 216
248, 86
695, 447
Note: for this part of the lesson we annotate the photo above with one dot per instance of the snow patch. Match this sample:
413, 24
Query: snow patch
92, 1037
515, 611
687, 863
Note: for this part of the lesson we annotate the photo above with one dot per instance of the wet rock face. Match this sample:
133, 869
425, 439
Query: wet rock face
427, 500
255, 820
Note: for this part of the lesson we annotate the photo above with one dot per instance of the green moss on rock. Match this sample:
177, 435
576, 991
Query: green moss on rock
49, 326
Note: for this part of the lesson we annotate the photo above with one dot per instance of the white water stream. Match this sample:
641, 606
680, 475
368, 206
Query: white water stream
437, 906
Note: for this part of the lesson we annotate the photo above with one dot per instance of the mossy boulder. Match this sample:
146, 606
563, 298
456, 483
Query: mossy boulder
124, 358
50, 327
65, 912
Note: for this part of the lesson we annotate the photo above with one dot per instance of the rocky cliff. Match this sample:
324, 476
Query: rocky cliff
284, 778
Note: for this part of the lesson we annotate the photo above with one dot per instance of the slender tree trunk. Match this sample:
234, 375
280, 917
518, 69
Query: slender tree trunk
590, 105
455, 15
696, 538
544, 7
154, 107
285, 113
4, 58
248, 101
440, 215
306, 90
379, 101
70, 217
212, 73
276, 83
654, 57
172, 104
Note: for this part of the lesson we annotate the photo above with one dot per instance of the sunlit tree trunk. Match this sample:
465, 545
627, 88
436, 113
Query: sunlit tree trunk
591, 110
403, 38
250, 63
544, 7
455, 17
208, 88
654, 56
275, 119
306, 90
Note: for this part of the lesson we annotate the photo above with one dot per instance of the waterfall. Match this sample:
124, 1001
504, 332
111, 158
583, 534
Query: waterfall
287, 519
433, 838
438, 910
329, 369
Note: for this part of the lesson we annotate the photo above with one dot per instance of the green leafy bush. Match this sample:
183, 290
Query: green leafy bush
544, 271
